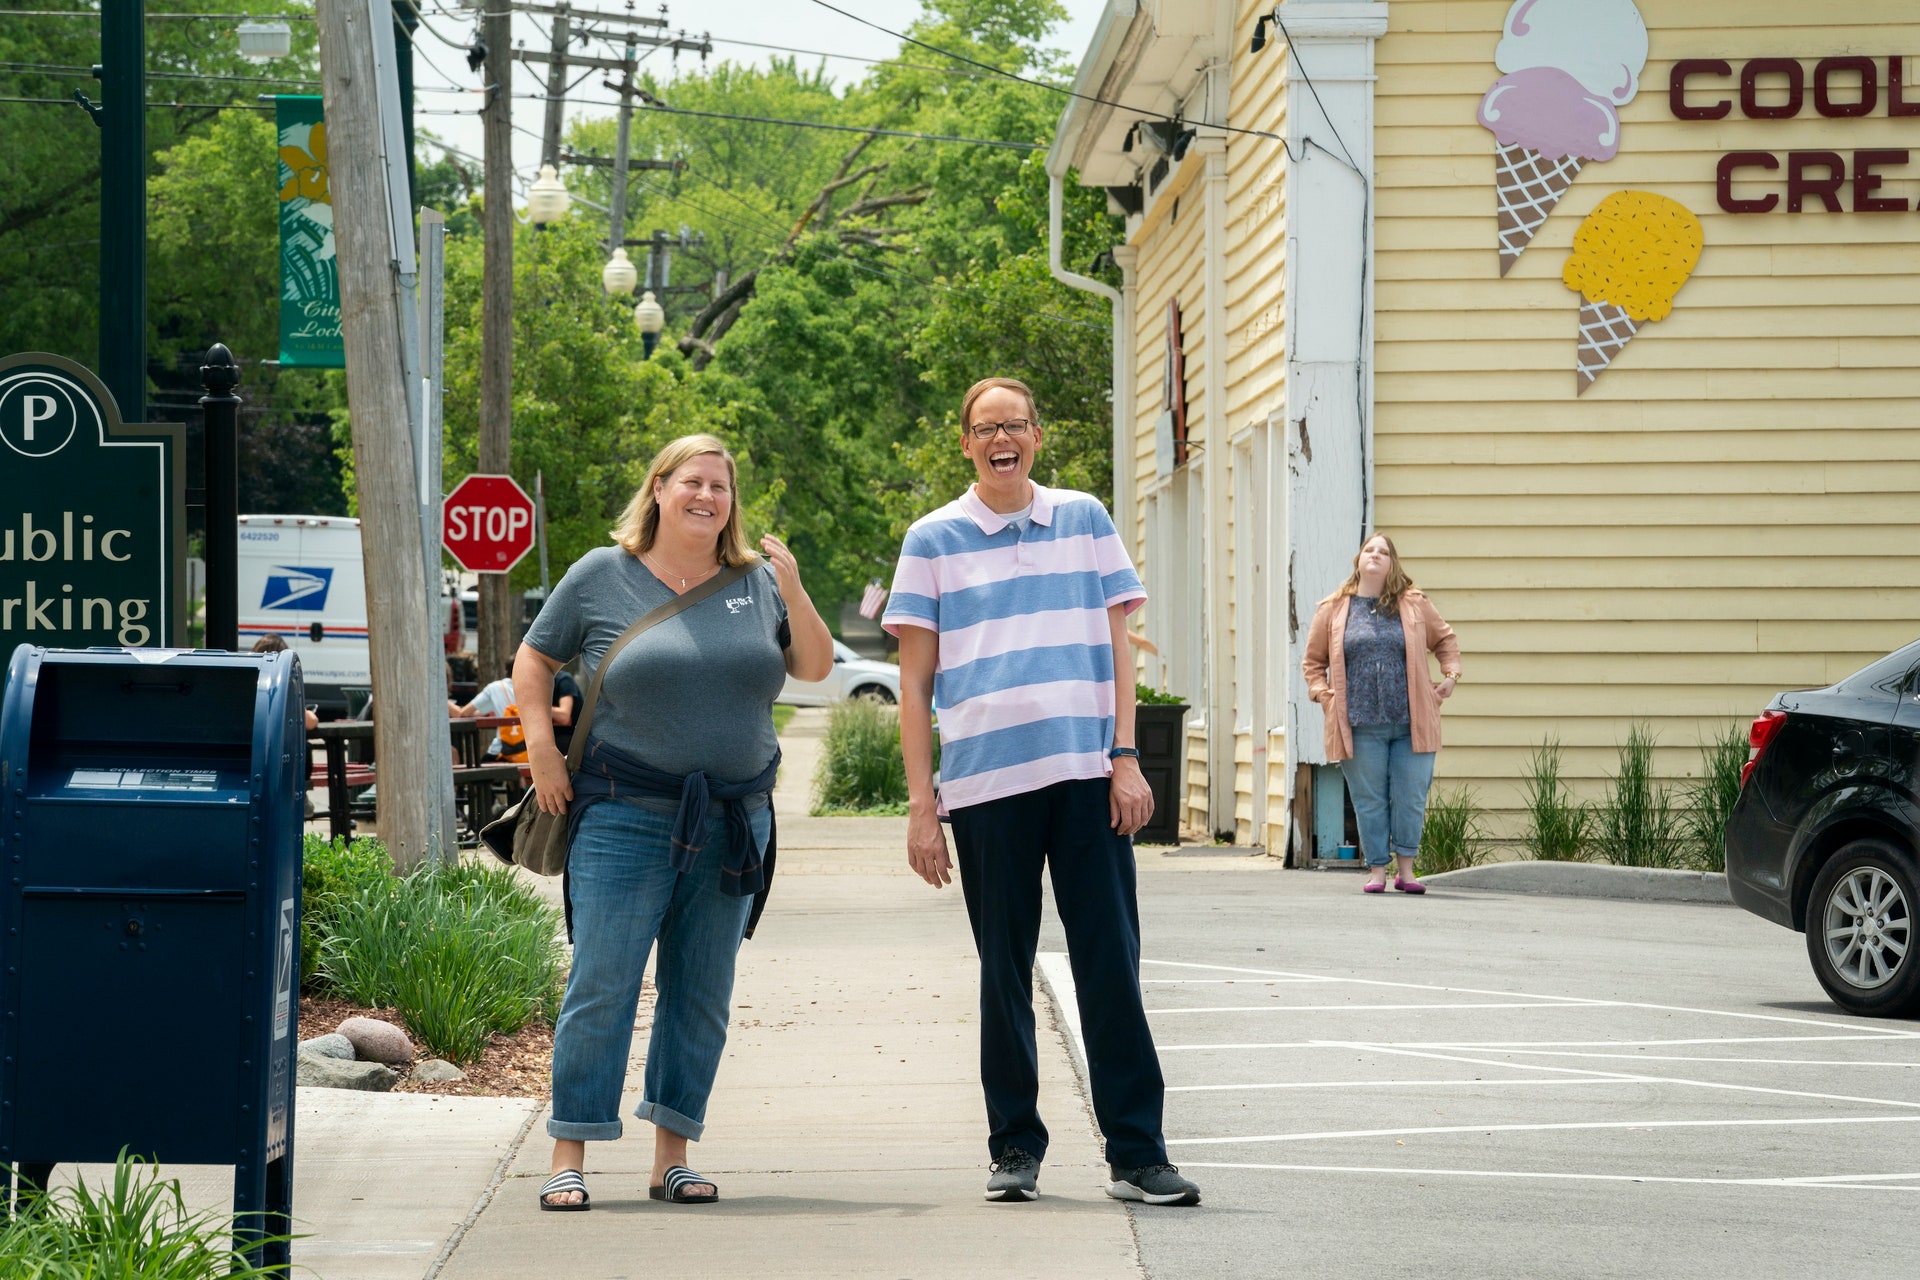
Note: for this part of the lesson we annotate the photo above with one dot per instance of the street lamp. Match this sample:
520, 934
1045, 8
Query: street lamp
547, 198
651, 319
619, 276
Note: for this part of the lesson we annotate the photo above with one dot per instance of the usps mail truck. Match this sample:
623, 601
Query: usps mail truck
301, 578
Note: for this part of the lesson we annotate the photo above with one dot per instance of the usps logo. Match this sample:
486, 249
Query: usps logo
292, 587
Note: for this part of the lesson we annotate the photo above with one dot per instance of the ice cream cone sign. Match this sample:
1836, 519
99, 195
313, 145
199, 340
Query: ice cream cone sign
1630, 258
1569, 66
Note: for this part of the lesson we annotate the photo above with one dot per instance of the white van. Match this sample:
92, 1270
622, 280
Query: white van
301, 578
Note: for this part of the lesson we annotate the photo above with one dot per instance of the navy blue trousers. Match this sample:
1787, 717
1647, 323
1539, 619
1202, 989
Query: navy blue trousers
1002, 846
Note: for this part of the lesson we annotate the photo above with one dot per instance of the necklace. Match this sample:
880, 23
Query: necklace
668, 573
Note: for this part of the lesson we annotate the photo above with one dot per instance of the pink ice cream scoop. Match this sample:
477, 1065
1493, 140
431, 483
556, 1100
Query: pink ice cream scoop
1548, 110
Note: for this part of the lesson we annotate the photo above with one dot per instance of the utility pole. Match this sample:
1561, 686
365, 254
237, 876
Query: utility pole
373, 233
496, 317
123, 204
556, 88
623, 136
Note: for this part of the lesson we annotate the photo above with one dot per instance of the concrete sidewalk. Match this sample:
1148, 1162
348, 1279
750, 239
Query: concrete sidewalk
846, 1131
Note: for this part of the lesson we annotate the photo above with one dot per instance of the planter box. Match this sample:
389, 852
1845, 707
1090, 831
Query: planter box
1161, 731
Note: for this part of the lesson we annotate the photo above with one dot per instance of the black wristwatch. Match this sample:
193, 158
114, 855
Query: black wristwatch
1117, 752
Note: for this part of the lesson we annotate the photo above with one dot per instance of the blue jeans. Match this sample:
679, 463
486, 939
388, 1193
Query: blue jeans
626, 895
1388, 781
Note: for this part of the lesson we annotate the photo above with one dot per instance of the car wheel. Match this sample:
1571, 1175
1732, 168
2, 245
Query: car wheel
875, 693
1860, 929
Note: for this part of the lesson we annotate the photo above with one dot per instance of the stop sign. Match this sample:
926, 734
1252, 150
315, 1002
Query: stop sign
487, 523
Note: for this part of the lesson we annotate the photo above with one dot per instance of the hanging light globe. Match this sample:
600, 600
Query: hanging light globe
547, 198
619, 275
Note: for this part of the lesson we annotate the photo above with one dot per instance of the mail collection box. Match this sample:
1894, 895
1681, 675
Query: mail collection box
150, 911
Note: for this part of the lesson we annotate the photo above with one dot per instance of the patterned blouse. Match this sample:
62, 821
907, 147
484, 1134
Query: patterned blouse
1376, 653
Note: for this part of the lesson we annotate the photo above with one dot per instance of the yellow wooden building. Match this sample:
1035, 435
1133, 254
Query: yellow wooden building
1350, 228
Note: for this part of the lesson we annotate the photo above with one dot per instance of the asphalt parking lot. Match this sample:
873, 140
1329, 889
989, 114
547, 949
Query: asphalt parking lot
1489, 1084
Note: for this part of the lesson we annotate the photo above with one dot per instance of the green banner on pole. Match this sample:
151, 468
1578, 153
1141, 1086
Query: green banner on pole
309, 277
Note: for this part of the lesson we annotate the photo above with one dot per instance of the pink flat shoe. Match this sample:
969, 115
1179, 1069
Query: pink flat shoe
1408, 886
1374, 886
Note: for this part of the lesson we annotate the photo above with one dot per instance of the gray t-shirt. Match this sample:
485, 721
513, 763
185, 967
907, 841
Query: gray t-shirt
693, 693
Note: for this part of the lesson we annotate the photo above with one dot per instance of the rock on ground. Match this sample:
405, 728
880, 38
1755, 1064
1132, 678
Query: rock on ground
376, 1041
438, 1071
334, 1045
314, 1071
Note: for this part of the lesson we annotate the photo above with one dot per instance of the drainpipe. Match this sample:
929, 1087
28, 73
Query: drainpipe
1123, 516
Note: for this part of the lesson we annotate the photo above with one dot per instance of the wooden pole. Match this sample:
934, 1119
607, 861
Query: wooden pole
496, 319
372, 330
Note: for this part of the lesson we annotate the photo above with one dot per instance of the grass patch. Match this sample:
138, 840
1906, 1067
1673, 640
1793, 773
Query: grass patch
861, 768
782, 717
141, 1227
333, 872
1636, 824
1557, 824
464, 952
1710, 800
1454, 837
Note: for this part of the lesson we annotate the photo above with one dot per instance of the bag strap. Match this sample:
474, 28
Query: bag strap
679, 604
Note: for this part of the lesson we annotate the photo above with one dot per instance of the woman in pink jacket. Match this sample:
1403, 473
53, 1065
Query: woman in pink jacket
1366, 665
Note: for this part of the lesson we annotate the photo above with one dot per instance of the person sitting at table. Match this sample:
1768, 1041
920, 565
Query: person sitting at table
497, 699
274, 642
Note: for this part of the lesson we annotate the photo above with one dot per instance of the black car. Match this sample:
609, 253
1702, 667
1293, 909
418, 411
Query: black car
1825, 837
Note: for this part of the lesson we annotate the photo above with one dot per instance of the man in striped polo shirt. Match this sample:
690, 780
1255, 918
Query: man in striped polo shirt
1010, 605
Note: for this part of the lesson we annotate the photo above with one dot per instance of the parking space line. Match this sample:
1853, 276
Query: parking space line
1636, 1076
1336, 1134
1248, 982
1521, 1045
1892, 1033
1397, 1084
1856, 1182
1368, 1008
1682, 1057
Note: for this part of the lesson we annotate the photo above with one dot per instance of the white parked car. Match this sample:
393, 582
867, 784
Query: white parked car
853, 677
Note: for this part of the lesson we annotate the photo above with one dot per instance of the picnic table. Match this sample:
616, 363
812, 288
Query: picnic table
343, 777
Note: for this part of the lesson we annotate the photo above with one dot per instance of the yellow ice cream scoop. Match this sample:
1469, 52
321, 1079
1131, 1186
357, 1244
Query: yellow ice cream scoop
1634, 250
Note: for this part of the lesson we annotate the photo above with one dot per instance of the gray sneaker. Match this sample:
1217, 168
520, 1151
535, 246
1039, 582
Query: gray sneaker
1152, 1184
1014, 1175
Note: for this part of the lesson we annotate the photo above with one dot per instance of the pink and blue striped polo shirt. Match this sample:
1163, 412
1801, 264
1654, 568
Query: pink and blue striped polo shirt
1024, 686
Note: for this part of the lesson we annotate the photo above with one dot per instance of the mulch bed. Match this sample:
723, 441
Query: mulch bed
516, 1066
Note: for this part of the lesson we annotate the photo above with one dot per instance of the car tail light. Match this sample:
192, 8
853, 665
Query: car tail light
1765, 727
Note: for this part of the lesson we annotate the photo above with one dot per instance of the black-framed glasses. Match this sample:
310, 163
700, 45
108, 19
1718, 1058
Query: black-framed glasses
987, 430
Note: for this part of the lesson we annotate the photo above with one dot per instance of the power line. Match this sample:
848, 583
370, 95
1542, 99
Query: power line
654, 104
1044, 84
154, 17
850, 57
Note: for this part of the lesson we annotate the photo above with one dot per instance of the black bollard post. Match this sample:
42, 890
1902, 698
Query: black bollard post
220, 375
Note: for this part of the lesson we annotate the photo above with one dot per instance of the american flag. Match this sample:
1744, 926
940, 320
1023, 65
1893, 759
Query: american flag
871, 602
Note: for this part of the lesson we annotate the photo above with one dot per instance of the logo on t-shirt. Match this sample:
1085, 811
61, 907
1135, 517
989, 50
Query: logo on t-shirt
737, 603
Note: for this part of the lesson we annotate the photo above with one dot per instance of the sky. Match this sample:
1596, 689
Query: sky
793, 24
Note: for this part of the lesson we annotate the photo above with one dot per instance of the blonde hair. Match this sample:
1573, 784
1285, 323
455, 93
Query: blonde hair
985, 385
640, 523
1396, 585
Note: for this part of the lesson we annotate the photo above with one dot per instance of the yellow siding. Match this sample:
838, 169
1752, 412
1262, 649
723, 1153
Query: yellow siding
1733, 508
1256, 229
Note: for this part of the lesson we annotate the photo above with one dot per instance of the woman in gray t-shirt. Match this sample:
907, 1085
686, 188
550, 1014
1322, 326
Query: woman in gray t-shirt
671, 808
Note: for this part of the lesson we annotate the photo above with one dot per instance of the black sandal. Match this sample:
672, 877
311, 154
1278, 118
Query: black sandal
559, 1184
674, 1188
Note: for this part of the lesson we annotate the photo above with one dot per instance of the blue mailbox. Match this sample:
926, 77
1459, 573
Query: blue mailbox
151, 845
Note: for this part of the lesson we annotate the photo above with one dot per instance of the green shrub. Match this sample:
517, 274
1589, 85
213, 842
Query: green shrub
463, 952
1454, 837
1710, 800
1557, 824
1636, 825
1147, 696
331, 873
139, 1228
860, 764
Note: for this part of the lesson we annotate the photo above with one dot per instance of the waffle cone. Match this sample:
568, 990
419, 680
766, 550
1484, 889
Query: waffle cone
1529, 185
1604, 330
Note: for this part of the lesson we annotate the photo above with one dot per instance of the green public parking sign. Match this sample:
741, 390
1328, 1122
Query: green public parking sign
92, 514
